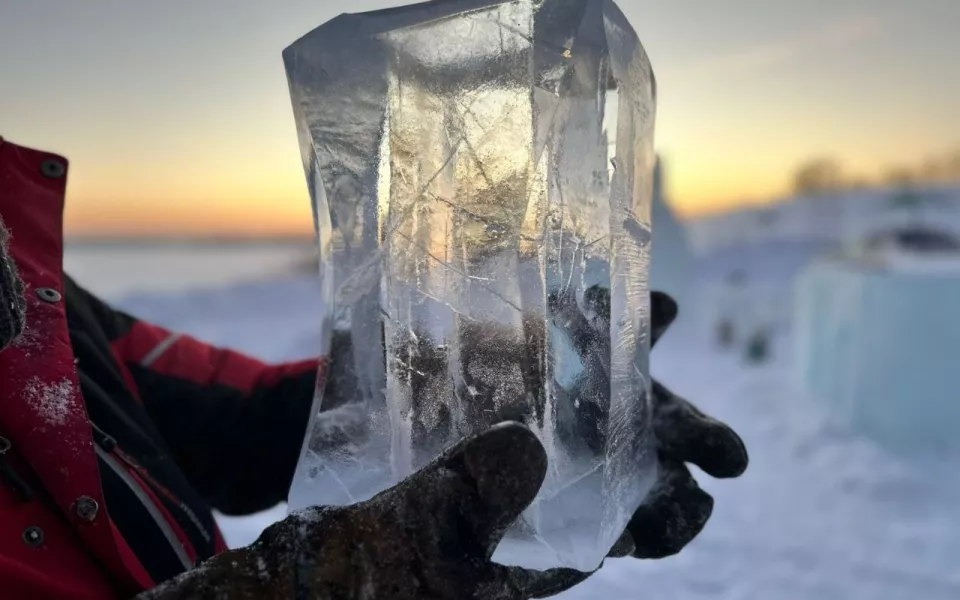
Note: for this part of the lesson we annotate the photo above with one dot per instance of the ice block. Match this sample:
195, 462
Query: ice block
481, 176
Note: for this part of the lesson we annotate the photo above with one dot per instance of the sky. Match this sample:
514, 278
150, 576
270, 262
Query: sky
175, 114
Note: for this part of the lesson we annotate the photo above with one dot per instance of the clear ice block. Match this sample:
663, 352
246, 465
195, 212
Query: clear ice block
481, 175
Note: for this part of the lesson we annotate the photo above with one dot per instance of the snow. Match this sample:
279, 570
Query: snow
823, 512
54, 402
830, 219
117, 268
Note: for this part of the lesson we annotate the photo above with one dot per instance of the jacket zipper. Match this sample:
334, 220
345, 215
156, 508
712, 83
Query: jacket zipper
145, 500
10, 476
110, 445
160, 490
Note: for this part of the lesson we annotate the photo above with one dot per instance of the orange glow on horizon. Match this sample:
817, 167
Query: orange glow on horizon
197, 137
199, 220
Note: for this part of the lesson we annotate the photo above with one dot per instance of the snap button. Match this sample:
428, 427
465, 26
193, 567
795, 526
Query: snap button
52, 168
33, 536
49, 295
86, 508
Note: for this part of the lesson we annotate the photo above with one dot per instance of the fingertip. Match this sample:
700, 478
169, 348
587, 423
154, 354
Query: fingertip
663, 312
663, 307
739, 458
722, 453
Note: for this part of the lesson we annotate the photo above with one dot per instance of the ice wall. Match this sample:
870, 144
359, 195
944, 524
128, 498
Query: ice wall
881, 346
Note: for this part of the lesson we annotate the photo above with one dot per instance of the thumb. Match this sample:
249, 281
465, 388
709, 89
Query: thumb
481, 485
507, 464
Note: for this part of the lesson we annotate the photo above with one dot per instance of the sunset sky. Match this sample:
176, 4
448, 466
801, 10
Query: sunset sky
176, 118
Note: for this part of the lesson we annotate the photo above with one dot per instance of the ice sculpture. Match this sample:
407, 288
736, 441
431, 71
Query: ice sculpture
481, 175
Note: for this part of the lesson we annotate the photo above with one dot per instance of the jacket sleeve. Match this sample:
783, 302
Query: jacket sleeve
234, 424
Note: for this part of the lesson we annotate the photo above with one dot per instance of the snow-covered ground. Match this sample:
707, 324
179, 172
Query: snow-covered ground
820, 514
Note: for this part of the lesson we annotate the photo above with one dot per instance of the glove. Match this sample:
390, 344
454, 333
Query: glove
13, 306
676, 509
430, 536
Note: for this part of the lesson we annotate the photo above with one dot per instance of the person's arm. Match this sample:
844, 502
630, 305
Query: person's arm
234, 424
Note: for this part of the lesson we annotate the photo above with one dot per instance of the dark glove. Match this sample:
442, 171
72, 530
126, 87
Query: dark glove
431, 536
13, 306
676, 509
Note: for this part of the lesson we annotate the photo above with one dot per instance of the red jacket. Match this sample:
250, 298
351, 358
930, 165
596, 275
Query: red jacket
117, 436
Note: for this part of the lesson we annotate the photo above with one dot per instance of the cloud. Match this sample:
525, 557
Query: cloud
835, 35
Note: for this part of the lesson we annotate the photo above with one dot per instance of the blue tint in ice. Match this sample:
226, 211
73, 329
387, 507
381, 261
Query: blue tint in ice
880, 344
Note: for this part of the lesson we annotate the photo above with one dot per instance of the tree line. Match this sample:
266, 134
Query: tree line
823, 175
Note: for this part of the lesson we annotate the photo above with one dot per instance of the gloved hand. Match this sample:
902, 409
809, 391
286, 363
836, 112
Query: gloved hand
431, 536
13, 307
676, 509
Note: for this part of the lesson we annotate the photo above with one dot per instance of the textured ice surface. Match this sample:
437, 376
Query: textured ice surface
481, 176
880, 345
